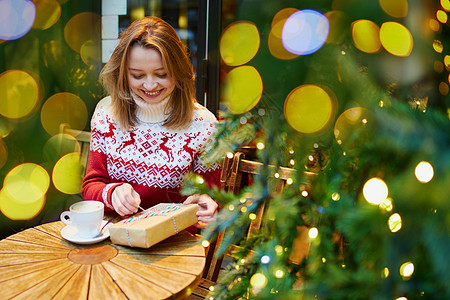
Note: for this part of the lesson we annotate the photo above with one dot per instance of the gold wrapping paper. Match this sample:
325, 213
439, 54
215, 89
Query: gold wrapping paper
153, 225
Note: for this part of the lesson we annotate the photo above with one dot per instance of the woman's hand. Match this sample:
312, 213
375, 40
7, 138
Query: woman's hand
207, 209
125, 200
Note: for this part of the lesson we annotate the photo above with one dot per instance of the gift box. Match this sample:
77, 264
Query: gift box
153, 225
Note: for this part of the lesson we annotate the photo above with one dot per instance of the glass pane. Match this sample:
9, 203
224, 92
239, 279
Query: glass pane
181, 14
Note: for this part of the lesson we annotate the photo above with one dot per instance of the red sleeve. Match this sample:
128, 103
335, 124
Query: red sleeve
96, 183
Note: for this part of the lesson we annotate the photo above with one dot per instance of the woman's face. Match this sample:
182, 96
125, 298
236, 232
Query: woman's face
148, 78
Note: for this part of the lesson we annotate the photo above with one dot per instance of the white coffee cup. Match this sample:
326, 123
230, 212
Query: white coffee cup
86, 217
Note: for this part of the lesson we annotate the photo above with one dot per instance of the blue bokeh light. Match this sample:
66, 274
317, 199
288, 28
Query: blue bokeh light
305, 32
16, 18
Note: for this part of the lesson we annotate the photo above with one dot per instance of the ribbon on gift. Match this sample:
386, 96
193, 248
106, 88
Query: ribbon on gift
151, 212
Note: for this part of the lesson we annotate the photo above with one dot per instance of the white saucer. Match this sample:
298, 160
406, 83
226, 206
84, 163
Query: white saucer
70, 233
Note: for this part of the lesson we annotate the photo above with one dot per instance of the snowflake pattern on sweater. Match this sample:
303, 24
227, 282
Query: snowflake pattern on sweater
151, 157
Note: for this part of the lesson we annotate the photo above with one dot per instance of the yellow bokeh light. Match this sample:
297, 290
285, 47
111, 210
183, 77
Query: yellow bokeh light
80, 28
395, 8
375, 191
434, 25
279, 273
27, 182
445, 4
276, 47
258, 281
313, 233
68, 173
437, 46
407, 269
18, 93
242, 89
308, 108
48, 13
15, 209
282, 16
386, 204
6, 127
3, 153
401, 298
395, 222
60, 145
205, 243
438, 66
385, 273
396, 39
63, 108
275, 43
339, 22
443, 88
335, 197
90, 52
441, 16
447, 61
279, 249
424, 172
349, 129
366, 36
239, 43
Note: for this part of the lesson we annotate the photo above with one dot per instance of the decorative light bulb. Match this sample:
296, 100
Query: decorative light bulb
424, 172
279, 274
386, 204
265, 259
407, 269
395, 222
375, 191
260, 145
313, 233
205, 243
335, 196
279, 249
258, 281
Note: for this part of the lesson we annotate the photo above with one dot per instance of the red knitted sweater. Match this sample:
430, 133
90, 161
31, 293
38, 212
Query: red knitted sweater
151, 157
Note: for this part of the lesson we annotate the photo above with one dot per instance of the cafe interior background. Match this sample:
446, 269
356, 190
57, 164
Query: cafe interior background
354, 91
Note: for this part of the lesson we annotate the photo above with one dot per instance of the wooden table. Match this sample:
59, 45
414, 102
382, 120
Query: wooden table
38, 263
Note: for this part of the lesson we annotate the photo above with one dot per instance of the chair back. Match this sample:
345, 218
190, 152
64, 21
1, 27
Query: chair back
83, 138
237, 173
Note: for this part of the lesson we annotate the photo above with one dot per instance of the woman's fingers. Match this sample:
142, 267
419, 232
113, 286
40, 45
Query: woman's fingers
207, 209
125, 200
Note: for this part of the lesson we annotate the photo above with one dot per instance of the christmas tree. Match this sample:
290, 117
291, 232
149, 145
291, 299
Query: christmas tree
356, 93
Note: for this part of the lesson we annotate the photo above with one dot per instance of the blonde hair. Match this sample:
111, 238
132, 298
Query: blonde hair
153, 33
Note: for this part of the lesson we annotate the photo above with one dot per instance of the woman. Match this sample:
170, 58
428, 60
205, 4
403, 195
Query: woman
150, 131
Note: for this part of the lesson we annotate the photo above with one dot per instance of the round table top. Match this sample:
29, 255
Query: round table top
38, 263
